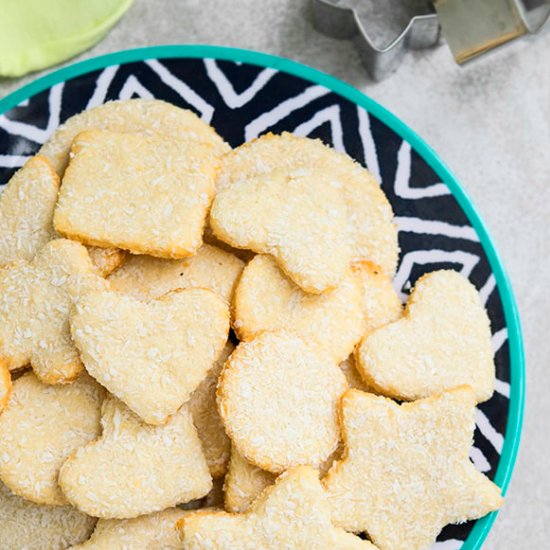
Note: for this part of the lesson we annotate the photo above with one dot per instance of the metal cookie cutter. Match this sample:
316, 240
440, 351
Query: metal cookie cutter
470, 27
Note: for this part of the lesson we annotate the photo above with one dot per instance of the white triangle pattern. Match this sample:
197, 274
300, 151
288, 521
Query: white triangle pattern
34, 133
13, 161
369, 145
403, 175
102, 86
226, 90
432, 227
268, 119
184, 90
328, 114
133, 87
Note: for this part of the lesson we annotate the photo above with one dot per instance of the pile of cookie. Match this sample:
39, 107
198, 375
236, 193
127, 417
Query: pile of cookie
202, 348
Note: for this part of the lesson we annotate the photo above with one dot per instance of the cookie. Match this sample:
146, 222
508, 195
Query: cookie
405, 472
26, 209
214, 499
292, 514
353, 378
381, 304
267, 300
35, 301
209, 238
5, 385
146, 277
35, 527
40, 428
373, 235
150, 532
215, 443
106, 260
148, 195
278, 401
244, 482
146, 116
26, 217
442, 340
300, 220
151, 355
135, 469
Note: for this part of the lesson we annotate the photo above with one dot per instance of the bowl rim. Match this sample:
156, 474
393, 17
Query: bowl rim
517, 358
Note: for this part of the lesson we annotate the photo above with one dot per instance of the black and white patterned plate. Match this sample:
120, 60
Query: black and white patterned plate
245, 94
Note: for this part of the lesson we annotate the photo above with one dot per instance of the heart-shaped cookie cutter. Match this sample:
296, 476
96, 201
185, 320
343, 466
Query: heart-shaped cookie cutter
470, 27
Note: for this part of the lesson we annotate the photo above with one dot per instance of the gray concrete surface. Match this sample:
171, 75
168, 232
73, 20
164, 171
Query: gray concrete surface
489, 121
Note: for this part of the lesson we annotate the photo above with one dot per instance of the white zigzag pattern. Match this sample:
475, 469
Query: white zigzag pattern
449, 544
13, 161
487, 289
479, 460
369, 145
254, 128
497, 341
486, 428
433, 227
233, 99
132, 87
31, 132
188, 94
403, 176
329, 114
102, 86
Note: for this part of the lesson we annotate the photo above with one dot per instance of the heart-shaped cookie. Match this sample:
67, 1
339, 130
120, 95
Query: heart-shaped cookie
443, 340
135, 469
151, 355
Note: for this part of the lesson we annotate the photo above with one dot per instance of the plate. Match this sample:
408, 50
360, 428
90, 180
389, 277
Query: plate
244, 94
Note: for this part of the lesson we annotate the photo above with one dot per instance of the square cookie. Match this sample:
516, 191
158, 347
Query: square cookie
145, 194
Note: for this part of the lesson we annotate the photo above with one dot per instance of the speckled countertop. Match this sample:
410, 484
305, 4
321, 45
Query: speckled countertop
490, 122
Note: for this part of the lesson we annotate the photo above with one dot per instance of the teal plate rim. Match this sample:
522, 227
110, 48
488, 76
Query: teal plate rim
517, 358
